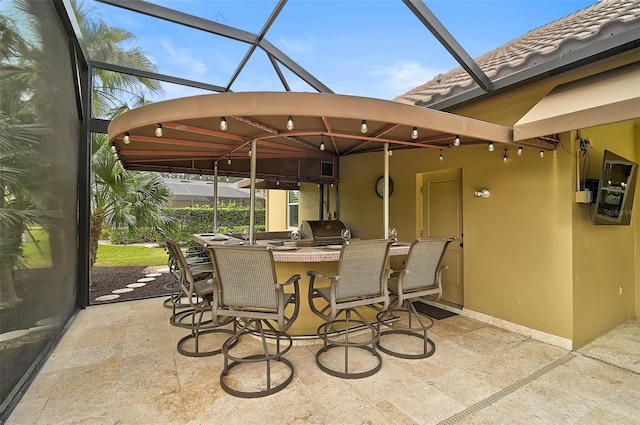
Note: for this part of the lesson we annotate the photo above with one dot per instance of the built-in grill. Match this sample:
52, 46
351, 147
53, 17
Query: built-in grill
323, 232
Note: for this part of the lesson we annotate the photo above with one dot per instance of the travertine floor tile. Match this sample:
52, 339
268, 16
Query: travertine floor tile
118, 364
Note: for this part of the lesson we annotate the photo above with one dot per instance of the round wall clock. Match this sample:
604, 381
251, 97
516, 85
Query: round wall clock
380, 187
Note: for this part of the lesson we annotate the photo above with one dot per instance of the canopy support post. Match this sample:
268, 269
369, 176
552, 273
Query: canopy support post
252, 211
385, 230
215, 196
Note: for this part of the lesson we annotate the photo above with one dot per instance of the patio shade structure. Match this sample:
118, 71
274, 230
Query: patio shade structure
607, 98
289, 137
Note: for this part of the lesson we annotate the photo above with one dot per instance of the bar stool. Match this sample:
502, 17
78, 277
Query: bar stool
420, 278
198, 294
247, 288
361, 281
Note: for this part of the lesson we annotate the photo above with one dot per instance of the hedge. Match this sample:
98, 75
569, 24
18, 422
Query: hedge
187, 221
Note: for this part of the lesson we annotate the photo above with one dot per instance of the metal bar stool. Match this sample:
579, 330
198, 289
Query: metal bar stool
420, 278
247, 288
199, 295
361, 281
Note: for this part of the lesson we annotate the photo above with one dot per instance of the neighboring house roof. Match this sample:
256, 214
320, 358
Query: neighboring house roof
202, 191
558, 40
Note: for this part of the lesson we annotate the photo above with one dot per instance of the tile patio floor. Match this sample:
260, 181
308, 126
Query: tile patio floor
117, 364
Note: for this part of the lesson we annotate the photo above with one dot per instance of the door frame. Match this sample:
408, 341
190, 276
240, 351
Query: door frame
420, 231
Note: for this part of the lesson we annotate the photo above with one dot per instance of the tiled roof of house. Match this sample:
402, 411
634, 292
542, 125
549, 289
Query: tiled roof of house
597, 22
202, 191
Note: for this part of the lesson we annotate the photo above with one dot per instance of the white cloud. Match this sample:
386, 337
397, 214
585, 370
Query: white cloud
402, 76
184, 58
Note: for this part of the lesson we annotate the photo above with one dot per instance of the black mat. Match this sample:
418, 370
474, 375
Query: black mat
434, 312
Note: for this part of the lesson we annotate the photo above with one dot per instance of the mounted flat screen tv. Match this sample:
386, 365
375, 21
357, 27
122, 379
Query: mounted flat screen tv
614, 199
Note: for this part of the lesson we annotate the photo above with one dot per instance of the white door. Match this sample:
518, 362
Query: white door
441, 207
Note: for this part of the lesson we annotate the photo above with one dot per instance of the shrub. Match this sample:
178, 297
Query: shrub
192, 220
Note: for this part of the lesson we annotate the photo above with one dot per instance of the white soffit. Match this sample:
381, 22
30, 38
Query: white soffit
598, 100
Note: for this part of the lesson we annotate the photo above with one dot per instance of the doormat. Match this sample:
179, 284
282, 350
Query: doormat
433, 312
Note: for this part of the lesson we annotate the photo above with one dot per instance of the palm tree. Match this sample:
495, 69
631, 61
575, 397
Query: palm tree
22, 137
113, 90
122, 198
118, 197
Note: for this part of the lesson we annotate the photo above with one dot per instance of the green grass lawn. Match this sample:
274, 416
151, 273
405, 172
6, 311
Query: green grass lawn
130, 255
37, 253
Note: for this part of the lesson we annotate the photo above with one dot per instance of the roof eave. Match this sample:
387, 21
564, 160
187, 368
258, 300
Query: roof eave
603, 49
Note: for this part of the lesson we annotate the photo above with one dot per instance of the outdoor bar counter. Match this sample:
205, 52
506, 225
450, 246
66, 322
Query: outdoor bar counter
291, 260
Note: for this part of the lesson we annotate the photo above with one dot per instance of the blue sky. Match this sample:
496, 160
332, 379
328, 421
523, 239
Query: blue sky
357, 47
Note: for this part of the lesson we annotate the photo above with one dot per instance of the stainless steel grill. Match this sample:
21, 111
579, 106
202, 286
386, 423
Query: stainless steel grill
323, 232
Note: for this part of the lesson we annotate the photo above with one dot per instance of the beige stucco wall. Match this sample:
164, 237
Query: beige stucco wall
604, 257
517, 242
276, 214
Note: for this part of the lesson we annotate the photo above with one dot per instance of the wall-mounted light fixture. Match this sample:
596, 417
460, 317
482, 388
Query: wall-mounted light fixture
484, 193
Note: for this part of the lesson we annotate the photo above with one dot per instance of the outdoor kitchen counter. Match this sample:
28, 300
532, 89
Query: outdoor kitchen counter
302, 254
299, 261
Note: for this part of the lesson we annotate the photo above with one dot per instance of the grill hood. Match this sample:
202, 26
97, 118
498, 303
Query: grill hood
323, 232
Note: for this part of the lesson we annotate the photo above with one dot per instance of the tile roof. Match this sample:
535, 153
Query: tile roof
202, 191
580, 29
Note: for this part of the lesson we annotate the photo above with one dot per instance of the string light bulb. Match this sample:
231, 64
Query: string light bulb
414, 133
541, 153
126, 139
456, 141
290, 123
504, 158
229, 161
322, 146
223, 124
390, 152
249, 153
491, 147
363, 127
159, 131
441, 157
519, 150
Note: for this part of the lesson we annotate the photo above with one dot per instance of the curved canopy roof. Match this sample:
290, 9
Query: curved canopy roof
193, 142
